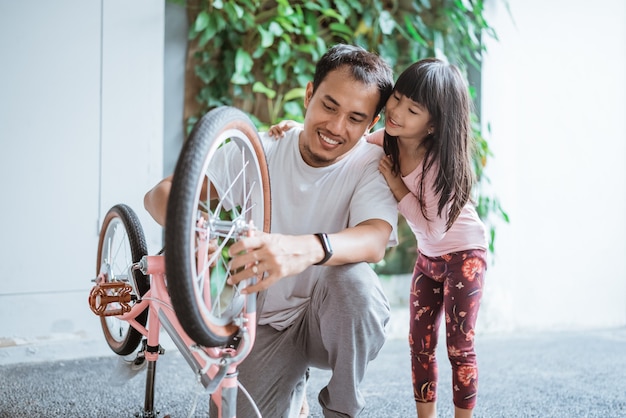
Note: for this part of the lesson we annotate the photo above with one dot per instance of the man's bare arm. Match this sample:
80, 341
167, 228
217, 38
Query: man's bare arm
275, 256
365, 242
155, 201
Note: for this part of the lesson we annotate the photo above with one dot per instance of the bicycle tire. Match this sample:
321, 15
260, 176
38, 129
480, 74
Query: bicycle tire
210, 319
121, 231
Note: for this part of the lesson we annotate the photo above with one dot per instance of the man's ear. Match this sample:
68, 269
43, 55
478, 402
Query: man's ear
308, 93
376, 119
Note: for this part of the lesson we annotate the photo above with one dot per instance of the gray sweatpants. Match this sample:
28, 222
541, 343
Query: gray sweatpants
342, 329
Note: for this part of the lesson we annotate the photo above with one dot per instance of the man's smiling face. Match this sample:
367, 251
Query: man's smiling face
337, 115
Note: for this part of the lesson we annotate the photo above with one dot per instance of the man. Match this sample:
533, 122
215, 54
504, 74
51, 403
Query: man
320, 304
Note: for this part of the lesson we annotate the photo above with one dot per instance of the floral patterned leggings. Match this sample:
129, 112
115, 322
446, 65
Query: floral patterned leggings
452, 283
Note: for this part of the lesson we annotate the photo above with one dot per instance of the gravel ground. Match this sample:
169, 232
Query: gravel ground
559, 374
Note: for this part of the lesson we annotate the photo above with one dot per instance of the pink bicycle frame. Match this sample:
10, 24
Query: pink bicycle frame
215, 366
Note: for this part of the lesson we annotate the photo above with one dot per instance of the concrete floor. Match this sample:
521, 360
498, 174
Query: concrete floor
559, 374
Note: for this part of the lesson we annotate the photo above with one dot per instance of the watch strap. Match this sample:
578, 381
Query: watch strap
328, 250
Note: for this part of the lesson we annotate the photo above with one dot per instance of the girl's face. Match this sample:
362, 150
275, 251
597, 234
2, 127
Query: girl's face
406, 119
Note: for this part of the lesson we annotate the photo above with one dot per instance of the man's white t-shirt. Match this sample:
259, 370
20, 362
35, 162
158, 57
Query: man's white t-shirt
306, 200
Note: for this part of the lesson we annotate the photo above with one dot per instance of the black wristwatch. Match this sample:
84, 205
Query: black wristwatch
328, 250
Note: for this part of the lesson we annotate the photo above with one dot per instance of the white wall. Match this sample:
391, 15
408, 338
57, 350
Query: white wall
81, 128
555, 96
176, 30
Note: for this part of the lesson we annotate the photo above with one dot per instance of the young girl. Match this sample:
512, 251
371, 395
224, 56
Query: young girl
428, 143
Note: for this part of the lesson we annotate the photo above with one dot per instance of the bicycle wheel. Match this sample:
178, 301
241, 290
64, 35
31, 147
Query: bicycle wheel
220, 186
121, 244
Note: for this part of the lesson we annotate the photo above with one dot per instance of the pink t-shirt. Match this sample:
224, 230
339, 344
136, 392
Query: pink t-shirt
467, 232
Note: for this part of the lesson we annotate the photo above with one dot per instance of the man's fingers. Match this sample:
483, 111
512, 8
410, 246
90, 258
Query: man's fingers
252, 270
262, 284
243, 260
259, 287
246, 244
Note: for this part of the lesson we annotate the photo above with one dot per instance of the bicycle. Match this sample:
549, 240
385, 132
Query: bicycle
183, 288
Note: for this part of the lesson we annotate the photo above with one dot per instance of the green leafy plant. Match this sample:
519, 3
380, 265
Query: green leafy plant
258, 55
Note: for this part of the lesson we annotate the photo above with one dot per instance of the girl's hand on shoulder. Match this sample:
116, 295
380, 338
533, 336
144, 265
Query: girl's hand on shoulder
394, 181
278, 130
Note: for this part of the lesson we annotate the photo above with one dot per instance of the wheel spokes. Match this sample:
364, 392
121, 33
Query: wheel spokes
224, 226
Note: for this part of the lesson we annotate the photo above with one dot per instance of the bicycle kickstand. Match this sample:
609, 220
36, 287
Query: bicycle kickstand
151, 354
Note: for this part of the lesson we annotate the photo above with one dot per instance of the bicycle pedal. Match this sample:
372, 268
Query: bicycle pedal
104, 294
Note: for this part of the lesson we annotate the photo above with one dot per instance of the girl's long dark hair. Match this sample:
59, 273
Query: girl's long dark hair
440, 88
